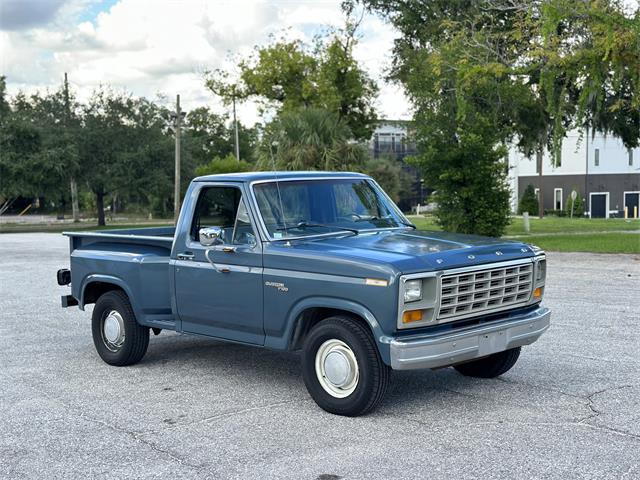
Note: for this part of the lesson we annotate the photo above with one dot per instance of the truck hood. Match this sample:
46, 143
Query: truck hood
414, 251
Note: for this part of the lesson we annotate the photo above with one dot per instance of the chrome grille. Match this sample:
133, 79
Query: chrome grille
470, 293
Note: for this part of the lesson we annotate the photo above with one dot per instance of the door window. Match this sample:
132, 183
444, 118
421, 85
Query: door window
223, 207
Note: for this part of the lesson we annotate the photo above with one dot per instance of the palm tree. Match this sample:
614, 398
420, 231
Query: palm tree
310, 139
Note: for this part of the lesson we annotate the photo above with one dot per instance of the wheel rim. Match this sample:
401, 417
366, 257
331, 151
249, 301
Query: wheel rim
113, 330
337, 368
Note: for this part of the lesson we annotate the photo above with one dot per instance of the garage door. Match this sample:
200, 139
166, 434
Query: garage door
598, 205
632, 202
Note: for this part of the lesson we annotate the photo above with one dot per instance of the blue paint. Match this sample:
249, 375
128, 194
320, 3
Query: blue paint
257, 293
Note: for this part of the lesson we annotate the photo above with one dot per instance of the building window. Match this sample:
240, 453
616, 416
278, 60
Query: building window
630, 157
596, 157
557, 199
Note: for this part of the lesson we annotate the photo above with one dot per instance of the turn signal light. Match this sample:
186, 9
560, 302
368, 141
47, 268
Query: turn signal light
412, 316
537, 293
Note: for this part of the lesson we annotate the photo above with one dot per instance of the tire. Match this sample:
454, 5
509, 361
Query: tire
491, 366
113, 318
343, 341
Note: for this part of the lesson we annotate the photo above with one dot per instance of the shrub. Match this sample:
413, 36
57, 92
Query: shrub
528, 201
578, 208
228, 164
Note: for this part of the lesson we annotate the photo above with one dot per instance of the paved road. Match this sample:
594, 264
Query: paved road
200, 409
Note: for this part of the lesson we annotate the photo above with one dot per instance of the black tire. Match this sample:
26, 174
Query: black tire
491, 366
135, 341
373, 374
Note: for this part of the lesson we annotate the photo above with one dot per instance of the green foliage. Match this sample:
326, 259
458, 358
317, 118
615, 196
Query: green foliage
528, 201
578, 207
228, 164
390, 175
290, 75
309, 139
495, 71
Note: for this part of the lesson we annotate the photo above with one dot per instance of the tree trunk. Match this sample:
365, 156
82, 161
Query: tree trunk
75, 211
100, 207
539, 161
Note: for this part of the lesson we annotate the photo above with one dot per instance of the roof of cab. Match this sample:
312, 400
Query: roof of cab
271, 175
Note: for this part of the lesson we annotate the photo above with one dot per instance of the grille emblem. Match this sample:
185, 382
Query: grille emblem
439, 260
471, 257
498, 253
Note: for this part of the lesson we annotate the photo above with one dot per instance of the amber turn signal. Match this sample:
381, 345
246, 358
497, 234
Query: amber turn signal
537, 293
412, 316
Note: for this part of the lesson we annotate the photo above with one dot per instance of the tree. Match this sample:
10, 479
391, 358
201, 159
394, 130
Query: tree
528, 201
309, 139
514, 71
126, 148
291, 75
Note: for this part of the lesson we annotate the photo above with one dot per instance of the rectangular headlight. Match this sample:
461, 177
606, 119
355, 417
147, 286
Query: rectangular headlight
412, 290
541, 271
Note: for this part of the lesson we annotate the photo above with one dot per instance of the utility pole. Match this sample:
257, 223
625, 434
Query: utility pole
177, 116
73, 186
235, 125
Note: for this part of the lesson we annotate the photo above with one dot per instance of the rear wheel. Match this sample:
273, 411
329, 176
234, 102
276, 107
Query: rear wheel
117, 336
342, 368
491, 366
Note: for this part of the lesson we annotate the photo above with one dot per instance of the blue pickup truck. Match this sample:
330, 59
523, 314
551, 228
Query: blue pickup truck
323, 263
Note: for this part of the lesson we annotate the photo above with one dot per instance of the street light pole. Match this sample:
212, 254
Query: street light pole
176, 191
235, 124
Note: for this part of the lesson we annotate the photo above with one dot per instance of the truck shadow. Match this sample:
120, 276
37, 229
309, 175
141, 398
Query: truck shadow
258, 368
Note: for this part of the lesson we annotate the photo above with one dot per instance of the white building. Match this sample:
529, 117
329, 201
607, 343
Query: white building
601, 169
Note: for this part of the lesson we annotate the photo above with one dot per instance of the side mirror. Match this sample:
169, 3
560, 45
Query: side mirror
210, 236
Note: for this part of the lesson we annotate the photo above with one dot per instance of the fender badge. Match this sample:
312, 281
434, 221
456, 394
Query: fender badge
280, 286
471, 257
498, 253
439, 260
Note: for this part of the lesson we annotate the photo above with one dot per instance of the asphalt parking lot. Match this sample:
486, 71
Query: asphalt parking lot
195, 408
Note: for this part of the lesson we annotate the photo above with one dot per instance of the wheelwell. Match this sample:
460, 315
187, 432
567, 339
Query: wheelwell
311, 317
94, 290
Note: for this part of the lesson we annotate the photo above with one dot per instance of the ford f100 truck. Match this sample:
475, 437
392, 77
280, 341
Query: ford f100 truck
324, 263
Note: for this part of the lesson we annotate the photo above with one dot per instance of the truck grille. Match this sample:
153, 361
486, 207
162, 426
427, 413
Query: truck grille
469, 293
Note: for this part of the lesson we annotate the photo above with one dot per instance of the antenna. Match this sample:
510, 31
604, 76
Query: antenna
275, 174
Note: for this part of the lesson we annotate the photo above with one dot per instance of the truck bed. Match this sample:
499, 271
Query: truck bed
136, 260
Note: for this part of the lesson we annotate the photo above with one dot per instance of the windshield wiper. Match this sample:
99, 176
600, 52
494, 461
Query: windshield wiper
410, 225
373, 218
303, 225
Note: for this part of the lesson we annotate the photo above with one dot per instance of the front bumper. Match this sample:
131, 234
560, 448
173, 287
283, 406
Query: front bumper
449, 348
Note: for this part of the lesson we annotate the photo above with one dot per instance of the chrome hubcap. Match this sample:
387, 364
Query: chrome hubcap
337, 368
113, 330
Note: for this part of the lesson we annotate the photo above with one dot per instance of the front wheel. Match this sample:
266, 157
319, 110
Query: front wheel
342, 368
117, 336
491, 366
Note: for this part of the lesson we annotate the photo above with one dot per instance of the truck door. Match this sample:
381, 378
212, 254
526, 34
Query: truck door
218, 289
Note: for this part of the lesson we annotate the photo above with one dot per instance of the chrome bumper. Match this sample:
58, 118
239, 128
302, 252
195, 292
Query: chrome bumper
444, 349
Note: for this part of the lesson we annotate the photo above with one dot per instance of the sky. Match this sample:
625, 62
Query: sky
162, 47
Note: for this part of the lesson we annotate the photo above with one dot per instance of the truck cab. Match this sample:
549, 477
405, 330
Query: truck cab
324, 263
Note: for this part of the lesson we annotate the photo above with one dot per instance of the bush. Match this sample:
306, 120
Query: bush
578, 208
528, 201
555, 213
228, 164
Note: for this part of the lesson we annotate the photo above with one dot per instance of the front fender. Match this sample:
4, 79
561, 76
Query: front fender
334, 303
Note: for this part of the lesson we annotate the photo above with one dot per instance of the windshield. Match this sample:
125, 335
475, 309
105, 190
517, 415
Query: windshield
312, 207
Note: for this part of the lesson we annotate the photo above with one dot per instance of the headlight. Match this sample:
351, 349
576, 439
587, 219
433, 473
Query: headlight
412, 290
541, 271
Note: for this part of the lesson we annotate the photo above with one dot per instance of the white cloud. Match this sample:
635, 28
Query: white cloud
149, 46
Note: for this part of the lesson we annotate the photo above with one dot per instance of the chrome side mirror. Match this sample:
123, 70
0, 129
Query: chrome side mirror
210, 236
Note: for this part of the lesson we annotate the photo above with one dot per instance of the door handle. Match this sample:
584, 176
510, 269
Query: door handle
229, 249
186, 256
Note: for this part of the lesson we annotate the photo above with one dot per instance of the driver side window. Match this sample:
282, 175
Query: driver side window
223, 207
